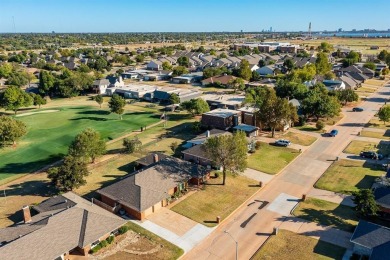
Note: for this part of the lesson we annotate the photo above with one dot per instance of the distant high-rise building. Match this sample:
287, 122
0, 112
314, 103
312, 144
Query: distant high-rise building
270, 29
241, 30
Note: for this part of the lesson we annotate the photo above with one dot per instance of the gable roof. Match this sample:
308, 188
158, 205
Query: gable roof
78, 226
149, 159
197, 151
370, 235
149, 186
382, 196
200, 139
222, 79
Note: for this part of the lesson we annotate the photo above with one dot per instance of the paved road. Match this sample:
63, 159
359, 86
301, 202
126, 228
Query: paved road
251, 226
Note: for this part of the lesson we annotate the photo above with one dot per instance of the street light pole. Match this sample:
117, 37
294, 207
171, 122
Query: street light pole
234, 241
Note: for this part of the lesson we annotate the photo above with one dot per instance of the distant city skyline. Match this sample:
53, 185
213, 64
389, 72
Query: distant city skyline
191, 16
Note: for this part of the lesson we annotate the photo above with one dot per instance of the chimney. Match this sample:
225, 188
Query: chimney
207, 134
155, 158
26, 214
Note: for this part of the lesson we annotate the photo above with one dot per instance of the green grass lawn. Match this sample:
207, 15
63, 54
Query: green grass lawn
376, 123
346, 176
289, 245
327, 214
271, 159
216, 200
50, 134
379, 135
298, 138
355, 147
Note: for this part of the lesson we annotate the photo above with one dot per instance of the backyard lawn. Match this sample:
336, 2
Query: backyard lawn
327, 214
298, 138
355, 147
49, 135
346, 176
289, 245
271, 159
216, 200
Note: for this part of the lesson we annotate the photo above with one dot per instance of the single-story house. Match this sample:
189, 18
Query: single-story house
350, 83
147, 190
250, 130
101, 85
200, 139
133, 91
163, 94
197, 154
371, 240
154, 65
222, 119
382, 198
222, 79
266, 70
161, 75
334, 84
248, 115
63, 224
224, 101
150, 159
115, 82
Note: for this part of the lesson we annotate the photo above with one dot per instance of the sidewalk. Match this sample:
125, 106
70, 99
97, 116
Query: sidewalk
331, 196
257, 175
328, 234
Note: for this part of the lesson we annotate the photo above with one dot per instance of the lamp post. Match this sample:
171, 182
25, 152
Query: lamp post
234, 241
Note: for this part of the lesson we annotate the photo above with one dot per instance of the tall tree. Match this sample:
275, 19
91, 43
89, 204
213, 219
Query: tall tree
183, 61
70, 174
132, 145
237, 84
11, 129
38, 100
325, 47
384, 114
228, 151
347, 95
322, 63
87, 145
290, 89
174, 98
195, 106
14, 98
244, 70
365, 202
117, 104
46, 82
166, 65
99, 99
179, 70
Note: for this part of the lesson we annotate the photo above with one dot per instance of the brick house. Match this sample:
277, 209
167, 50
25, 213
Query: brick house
63, 224
221, 118
147, 190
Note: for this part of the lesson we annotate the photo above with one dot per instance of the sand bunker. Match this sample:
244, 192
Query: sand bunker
39, 112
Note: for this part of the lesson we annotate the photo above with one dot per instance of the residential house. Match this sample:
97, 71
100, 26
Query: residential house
133, 91
382, 198
115, 82
162, 95
334, 84
224, 101
350, 83
154, 65
249, 130
64, 225
371, 240
223, 80
144, 192
222, 119
359, 70
188, 78
266, 70
200, 139
101, 85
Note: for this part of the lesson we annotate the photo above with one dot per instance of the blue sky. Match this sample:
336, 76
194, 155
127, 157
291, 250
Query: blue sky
191, 16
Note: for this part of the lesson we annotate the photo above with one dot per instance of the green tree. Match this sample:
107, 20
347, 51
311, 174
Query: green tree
228, 151
11, 129
351, 59
87, 145
179, 70
365, 202
290, 89
70, 174
244, 70
288, 64
347, 95
14, 98
325, 47
174, 98
166, 65
222, 56
18, 78
6, 70
195, 106
99, 99
117, 104
323, 65
132, 145
381, 56
237, 83
384, 114
370, 65
174, 146
307, 73
38, 100
183, 61
213, 52
46, 82
329, 75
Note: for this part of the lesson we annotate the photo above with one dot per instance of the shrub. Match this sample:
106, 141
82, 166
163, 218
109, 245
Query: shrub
103, 243
110, 239
320, 125
216, 174
301, 121
257, 145
96, 248
123, 229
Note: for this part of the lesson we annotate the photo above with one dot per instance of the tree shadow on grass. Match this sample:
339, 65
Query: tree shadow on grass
94, 112
329, 250
94, 118
29, 167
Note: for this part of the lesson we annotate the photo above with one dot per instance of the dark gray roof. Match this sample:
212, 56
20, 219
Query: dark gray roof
370, 235
54, 203
382, 196
150, 185
149, 159
196, 151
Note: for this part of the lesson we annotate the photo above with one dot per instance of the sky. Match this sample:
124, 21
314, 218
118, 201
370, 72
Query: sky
191, 16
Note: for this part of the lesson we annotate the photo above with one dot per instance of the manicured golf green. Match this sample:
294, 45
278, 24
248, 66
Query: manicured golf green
49, 135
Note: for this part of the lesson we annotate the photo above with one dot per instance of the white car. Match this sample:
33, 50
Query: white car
283, 142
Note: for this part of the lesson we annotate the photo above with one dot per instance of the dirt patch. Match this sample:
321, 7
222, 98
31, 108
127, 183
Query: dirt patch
39, 112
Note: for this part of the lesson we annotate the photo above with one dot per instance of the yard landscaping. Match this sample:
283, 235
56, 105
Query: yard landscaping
216, 200
327, 213
50, 134
298, 138
379, 135
347, 176
376, 123
355, 147
271, 159
289, 245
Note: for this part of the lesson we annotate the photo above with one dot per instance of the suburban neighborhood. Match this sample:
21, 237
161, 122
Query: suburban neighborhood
193, 145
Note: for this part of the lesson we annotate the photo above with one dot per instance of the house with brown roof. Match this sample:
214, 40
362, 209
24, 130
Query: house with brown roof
222, 119
147, 190
63, 225
221, 79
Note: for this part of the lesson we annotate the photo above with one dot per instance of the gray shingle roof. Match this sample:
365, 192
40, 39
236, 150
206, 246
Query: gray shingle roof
382, 196
370, 235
